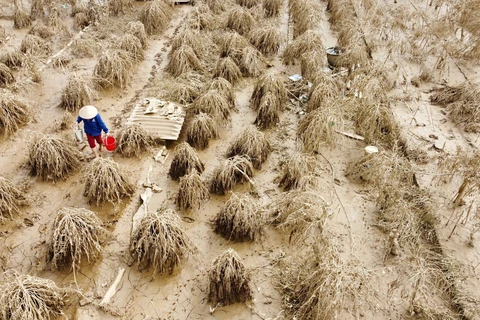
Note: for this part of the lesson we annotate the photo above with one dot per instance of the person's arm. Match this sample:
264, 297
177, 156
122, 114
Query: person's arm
79, 119
102, 124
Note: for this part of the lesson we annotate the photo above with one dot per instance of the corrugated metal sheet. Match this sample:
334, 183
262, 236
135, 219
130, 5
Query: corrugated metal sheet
163, 118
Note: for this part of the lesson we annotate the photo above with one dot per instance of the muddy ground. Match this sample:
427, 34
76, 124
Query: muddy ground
183, 294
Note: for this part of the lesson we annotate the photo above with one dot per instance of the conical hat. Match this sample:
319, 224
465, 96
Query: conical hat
88, 112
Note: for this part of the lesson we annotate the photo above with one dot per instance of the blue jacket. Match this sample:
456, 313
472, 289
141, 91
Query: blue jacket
94, 126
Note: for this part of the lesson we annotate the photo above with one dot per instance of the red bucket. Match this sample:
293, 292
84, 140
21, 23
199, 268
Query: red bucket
110, 143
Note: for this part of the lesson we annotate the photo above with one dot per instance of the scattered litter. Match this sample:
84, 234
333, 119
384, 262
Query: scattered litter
162, 155
351, 135
295, 77
371, 149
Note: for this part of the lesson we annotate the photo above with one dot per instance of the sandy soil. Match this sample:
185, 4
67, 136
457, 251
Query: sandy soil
183, 294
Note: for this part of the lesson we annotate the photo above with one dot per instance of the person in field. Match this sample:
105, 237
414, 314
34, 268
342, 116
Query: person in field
93, 126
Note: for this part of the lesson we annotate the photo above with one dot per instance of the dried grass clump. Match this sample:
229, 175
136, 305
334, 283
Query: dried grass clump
269, 84
232, 45
75, 236
52, 158
80, 91
105, 181
240, 20
234, 170
382, 168
137, 29
114, 68
185, 159
155, 16
79, 7
201, 18
186, 88
253, 144
13, 113
240, 219
225, 88
228, 69
33, 45
306, 15
462, 104
267, 114
25, 297
132, 45
42, 31
11, 198
247, 3
376, 123
306, 43
324, 92
212, 103
193, 39
267, 39
296, 169
272, 7
217, 6
84, 47
192, 192
115, 7
251, 62
229, 281
312, 63
133, 140
317, 128
6, 76
183, 60
13, 59
160, 242
21, 19
301, 213
322, 286
201, 130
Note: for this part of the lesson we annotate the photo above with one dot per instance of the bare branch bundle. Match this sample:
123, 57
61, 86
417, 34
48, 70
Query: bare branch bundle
105, 181
133, 140
251, 62
462, 103
234, 170
25, 297
240, 219
323, 92
13, 113
201, 130
317, 128
312, 63
52, 158
114, 68
382, 168
301, 213
13, 59
21, 19
34, 45
253, 144
376, 123
306, 15
155, 16
306, 43
80, 91
228, 69
224, 87
267, 39
137, 29
187, 88
75, 235
192, 192
247, 3
212, 103
183, 60
298, 167
159, 242
185, 159
322, 288
132, 45
229, 281
269, 83
267, 114
240, 20
6, 76
11, 198
272, 8
115, 7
